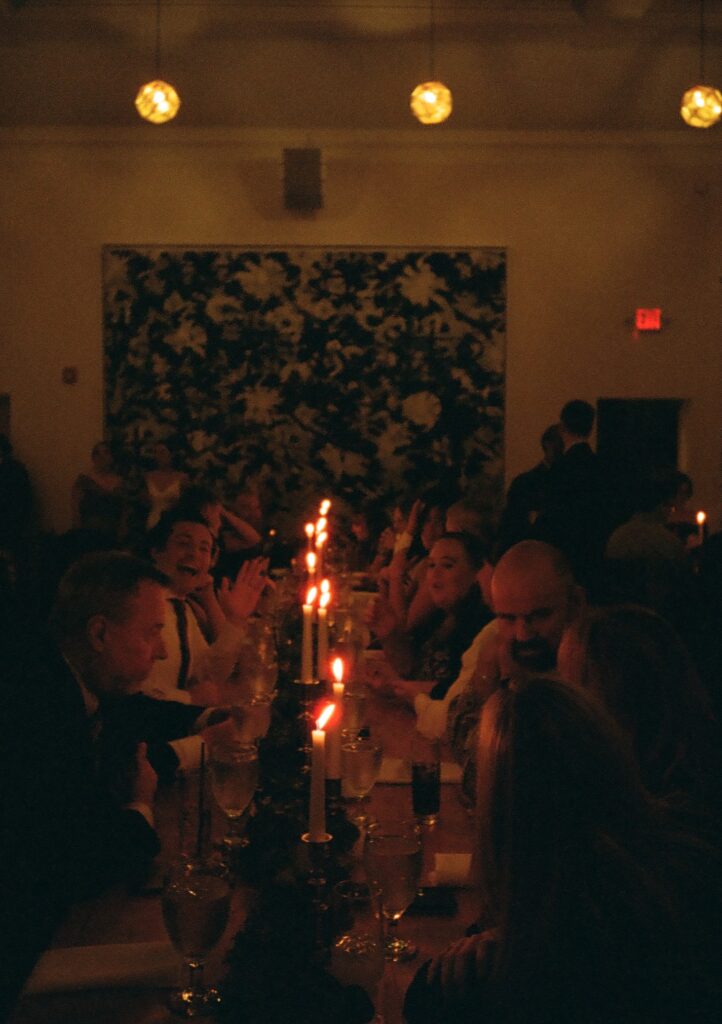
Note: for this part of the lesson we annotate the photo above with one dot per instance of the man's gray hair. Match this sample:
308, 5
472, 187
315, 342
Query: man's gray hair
99, 584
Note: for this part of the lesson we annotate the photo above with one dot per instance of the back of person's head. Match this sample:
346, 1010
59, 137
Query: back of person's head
99, 584
466, 517
6, 448
577, 418
551, 443
634, 661
568, 845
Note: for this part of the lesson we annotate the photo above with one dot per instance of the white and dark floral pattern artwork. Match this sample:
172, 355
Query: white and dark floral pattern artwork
354, 372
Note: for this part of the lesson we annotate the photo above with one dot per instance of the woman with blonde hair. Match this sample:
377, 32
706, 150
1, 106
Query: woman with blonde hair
594, 910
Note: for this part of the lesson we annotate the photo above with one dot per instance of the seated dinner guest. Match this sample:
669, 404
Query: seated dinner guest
428, 660
78, 768
593, 907
534, 597
66, 831
163, 484
100, 499
205, 627
635, 663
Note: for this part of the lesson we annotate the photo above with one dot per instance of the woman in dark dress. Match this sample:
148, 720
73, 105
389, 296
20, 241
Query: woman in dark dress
594, 908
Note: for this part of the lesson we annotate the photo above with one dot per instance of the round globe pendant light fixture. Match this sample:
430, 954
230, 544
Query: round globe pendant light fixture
702, 104
431, 101
157, 101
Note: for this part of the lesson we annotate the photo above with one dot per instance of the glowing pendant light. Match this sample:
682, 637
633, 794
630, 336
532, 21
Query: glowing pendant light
157, 101
431, 101
702, 104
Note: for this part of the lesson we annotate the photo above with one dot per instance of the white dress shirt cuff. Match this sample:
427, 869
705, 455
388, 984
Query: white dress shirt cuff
188, 752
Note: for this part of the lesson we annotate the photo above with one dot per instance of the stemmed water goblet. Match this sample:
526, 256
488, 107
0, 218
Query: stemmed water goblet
234, 778
392, 858
196, 903
361, 764
357, 951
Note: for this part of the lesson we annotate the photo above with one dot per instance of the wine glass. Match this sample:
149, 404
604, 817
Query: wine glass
234, 777
196, 903
357, 952
392, 857
361, 764
354, 712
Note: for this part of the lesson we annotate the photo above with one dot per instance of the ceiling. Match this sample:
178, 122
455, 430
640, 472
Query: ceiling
351, 64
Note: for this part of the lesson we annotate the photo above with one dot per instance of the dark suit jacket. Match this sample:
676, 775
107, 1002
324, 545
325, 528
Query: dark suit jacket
64, 834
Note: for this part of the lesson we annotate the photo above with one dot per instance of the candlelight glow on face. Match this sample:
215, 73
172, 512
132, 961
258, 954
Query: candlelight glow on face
311, 595
325, 716
338, 669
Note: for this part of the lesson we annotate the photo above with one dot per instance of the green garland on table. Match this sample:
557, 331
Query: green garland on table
275, 966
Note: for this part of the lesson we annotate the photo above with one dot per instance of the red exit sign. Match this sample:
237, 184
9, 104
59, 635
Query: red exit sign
648, 319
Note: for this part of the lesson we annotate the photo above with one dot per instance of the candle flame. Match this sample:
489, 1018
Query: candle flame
324, 599
310, 530
325, 586
337, 668
311, 560
324, 507
321, 539
701, 518
311, 594
323, 718
321, 524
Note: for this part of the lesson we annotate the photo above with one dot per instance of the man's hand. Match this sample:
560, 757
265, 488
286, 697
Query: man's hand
461, 966
238, 600
145, 782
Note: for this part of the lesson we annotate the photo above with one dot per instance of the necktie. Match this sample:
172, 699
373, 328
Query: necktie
181, 615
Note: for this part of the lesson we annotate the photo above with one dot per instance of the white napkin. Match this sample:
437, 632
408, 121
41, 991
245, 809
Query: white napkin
451, 869
396, 770
130, 965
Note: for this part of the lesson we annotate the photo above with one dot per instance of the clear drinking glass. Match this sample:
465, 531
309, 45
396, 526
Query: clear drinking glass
360, 767
357, 953
234, 778
354, 712
262, 673
196, 903
392, 858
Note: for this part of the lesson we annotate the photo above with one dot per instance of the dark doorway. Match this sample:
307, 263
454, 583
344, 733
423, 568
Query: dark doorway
635, 436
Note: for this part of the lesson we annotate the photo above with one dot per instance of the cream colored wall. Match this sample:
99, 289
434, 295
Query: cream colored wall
594, 226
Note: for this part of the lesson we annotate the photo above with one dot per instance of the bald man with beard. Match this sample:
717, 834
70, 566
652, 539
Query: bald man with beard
535, 597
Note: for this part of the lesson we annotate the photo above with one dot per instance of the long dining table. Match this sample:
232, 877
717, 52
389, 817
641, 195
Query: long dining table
118, 918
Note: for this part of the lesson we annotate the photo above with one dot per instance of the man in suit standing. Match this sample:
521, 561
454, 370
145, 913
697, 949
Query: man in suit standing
66, 831
577, 514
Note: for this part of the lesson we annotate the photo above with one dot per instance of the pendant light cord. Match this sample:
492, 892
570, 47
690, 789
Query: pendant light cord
432, 40
157, 38
701, 41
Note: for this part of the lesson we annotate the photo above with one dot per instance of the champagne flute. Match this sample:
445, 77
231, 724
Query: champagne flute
361, 764
196, 903
234, 778
392, 857
263, 673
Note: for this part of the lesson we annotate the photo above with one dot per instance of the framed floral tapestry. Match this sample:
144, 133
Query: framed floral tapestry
356, 372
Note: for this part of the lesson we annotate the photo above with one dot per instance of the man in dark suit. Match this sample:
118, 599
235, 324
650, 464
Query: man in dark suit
576, 518
72, 824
